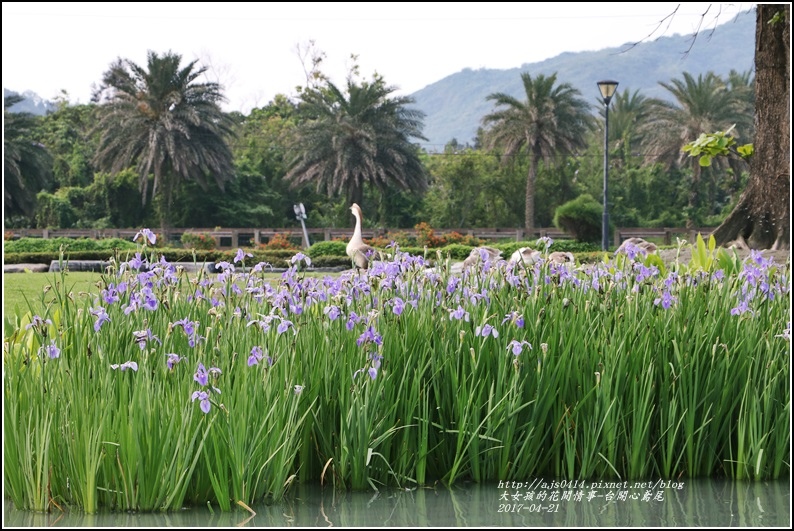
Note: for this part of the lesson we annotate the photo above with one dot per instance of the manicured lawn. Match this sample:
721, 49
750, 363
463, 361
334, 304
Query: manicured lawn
19, 289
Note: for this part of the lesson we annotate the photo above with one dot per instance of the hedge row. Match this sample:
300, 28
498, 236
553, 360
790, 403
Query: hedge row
322, 254
54, 245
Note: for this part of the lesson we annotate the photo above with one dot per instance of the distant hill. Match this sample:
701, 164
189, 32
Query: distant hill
455, 105
33, 103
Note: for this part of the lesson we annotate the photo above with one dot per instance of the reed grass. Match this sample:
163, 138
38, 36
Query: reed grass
171, 391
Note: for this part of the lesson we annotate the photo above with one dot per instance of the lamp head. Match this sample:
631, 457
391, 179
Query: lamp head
607, 89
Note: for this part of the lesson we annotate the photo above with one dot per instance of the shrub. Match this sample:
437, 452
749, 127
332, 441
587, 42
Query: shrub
401, 238
456, 237
325, 260
332, 248
581, 218
426, 236
379, 242
203, 241
456, 251
279, 241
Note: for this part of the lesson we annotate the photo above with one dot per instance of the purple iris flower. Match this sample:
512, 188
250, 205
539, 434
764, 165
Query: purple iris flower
51, 350
137, 261
240, 256
517, 346
126, 365
515, 318
204, 398
143, 336
257, 355
300, 256
666, 300
149, 300
260, 266
101, 317
397, 305
486, 330
369, 336
546, 241
352, 319
201, 376
743, 307
147, 236
332, 311
110, 295
459, 314
452, 284
173, 359
283, 326
39, 324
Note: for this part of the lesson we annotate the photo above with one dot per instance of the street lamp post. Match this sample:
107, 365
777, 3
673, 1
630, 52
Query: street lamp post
300, 215
607, 89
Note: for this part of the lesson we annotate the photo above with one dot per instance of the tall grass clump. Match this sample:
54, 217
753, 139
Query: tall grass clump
168, 390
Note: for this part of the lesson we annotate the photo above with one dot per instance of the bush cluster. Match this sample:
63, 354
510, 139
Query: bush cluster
198, 240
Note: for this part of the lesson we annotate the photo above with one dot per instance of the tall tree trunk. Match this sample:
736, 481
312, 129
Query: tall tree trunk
761, 217
529, 209
166, 202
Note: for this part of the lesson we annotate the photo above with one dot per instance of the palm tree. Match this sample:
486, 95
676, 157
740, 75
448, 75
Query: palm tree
552, 121
361, 136
166, 123
702, 105
628, 112
27, 165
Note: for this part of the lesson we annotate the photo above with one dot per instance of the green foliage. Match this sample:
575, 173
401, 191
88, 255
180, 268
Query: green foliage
703, 102
68, 137
165, 121
469, 188
553, 121
356, 135
456, 251
47, 257
581, 218
335, 261
332, 248
719, 144
54, 210
27, 165
53, 245
571, 246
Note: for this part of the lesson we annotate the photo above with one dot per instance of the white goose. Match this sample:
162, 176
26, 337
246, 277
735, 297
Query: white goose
646, 246
476, 255
559, 257
525, 255
358, 251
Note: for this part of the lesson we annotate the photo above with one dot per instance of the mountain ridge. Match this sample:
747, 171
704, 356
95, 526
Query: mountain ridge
455, 105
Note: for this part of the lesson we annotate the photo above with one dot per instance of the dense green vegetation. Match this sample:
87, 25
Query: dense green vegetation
287, 152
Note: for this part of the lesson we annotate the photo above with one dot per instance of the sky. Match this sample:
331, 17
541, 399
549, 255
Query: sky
254, 49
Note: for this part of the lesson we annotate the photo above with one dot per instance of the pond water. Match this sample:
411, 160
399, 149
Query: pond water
688, 503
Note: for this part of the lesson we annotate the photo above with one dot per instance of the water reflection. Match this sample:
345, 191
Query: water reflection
698, 503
